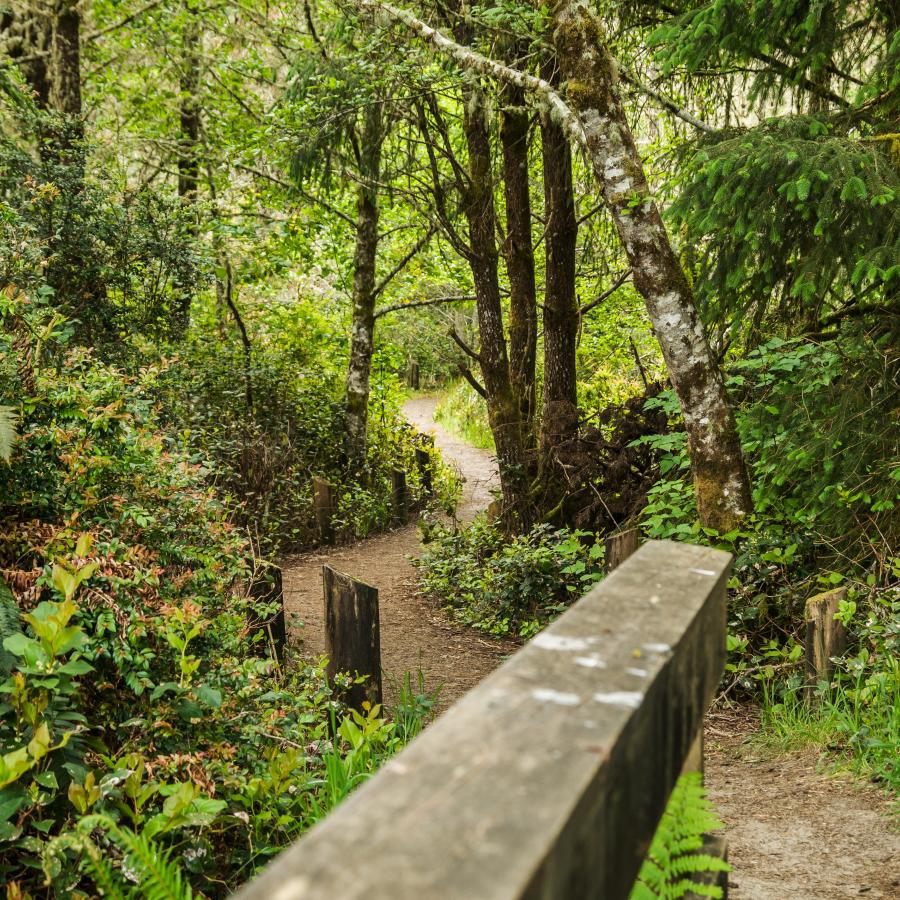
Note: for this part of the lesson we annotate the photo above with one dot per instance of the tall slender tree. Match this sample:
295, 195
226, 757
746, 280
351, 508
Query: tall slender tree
596, 118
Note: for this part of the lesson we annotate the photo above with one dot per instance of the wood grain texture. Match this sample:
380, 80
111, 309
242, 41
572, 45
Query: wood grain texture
825, 637
352, 635
323, 506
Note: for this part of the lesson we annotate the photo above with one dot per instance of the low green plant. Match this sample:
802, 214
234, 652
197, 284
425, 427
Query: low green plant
134, 691
676, 856
415, 706
509, 587
825, 483
462, 412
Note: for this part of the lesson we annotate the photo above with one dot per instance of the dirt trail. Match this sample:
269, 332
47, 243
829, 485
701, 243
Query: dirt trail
795, 832
415, 635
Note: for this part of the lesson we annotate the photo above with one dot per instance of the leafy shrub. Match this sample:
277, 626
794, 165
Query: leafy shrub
815, 424
266, 422
109, 260
513, 587
140, 720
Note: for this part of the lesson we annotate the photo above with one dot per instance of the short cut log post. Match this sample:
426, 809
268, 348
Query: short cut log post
352, 635
323, 504
620, 546
267, 588
399, 500
826, 638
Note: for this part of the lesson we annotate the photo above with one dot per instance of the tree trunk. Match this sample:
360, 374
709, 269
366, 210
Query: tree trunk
65, 72
362, 340
27, 41
188, 148
559, 422
504, 414
519, 255
720, 477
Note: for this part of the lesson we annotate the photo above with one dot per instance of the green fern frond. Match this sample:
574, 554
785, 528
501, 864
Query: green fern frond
102, 873
157, 877
672, 861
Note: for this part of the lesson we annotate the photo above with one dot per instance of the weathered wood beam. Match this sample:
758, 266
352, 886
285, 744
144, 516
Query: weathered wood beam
352, 635
548, 779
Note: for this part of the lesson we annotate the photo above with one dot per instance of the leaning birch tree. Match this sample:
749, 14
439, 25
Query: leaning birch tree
594, 117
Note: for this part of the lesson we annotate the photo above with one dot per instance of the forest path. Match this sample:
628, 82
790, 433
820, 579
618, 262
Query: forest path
415, 634
794, 831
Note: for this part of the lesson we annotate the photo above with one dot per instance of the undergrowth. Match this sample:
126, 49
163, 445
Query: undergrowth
509, 587
463, 413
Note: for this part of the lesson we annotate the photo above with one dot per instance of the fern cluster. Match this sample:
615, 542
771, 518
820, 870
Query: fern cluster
674, 858
122, 863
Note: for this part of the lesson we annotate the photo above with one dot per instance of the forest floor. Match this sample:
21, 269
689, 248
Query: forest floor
794, 832
795, 829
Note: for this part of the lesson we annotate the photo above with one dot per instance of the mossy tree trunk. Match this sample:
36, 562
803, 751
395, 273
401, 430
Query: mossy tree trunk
559, 420
504, 412
720, 477
362, 332
188, 161
519, 255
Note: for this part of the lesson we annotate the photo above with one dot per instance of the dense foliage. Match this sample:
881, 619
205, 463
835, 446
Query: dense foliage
509, 587
132, 709
232, 236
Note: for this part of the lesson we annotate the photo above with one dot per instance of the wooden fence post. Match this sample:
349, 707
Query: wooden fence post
619, 546
267, 587
423, 462
352, 635
323, 503
825, 637
412, 377
399, 500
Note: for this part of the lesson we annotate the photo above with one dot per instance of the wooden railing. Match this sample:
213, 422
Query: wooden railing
548, 779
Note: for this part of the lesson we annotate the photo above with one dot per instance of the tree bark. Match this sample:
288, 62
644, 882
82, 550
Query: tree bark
504, 413
65, 71
559, 422
519, 255
188, 161
720, 477
27, 41
362, 338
